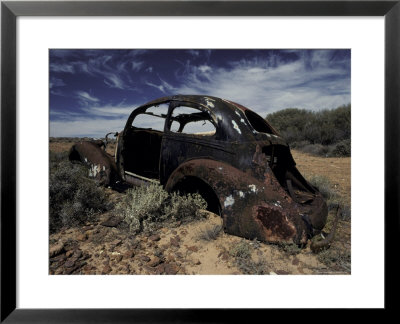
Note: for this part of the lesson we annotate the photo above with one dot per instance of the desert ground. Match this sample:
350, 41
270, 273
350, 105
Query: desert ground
105, 245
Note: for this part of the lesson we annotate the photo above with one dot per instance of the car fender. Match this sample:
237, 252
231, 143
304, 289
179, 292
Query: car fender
250, 208
101, 165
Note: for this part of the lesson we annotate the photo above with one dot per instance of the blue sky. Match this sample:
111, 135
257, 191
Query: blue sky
92, 92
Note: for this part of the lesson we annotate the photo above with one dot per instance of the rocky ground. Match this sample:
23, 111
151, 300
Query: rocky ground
105, 245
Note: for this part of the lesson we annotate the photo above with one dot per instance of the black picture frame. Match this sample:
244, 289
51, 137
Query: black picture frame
10, 10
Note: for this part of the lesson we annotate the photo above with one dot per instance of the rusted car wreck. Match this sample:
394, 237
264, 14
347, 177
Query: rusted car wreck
225, 152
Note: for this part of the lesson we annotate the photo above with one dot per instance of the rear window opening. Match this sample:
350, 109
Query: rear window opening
258, 123
188, 120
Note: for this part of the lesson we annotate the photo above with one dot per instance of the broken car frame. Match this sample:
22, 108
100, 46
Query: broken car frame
225, 152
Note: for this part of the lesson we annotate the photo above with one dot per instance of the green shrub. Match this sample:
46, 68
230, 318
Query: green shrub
333, 199
343, 148
241, 250
74, 198
242, 254
323, 185
185, 207
290, 248
304, 127
336, 258
145, 207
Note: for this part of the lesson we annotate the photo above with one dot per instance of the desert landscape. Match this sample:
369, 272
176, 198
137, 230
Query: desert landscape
104, 244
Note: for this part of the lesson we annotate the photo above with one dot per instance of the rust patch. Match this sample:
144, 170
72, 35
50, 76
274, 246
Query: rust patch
275, 223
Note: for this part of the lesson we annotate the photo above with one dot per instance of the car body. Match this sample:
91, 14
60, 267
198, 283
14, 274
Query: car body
224, 151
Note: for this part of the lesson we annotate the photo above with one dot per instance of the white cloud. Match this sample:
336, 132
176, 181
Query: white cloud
194, 53
136, 66
204, 68
313, 82
159, 87
114, 81
164, 87
56, 82
66, 68
83, 95
109, 111
114, 74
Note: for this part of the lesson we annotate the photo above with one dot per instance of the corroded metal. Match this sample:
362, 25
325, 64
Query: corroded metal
101, 165
244, 169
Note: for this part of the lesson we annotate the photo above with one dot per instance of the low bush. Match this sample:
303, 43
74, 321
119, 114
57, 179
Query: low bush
243, 260
210, 233
316, 149
333, 198
241, 250
323, 185
329, 130
74, 198
341, 260
290, 248
343, 148
146, 207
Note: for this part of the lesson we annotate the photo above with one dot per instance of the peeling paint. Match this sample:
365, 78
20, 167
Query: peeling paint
229, 201
253, 188
235, 126
94, 170
209, 102
241, 194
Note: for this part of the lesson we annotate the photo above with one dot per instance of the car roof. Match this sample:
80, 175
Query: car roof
228, 114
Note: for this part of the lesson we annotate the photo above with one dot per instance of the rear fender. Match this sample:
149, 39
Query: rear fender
250, 208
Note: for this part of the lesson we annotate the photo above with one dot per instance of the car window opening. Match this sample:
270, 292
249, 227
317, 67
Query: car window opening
145, 136
188, 120
258, 123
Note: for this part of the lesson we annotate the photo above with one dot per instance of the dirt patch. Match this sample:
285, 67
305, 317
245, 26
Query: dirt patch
337, 170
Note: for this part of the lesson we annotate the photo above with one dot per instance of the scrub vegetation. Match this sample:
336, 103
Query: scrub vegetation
322, 133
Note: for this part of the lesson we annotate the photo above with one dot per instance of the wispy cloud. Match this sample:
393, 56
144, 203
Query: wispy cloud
159, 87
96, 85
164, 87
194, 53
66, 68
56, 82
114, 69
313, 81
136, 66
92, 120
83, 95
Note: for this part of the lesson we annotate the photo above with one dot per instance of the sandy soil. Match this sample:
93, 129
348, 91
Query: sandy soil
180, 249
